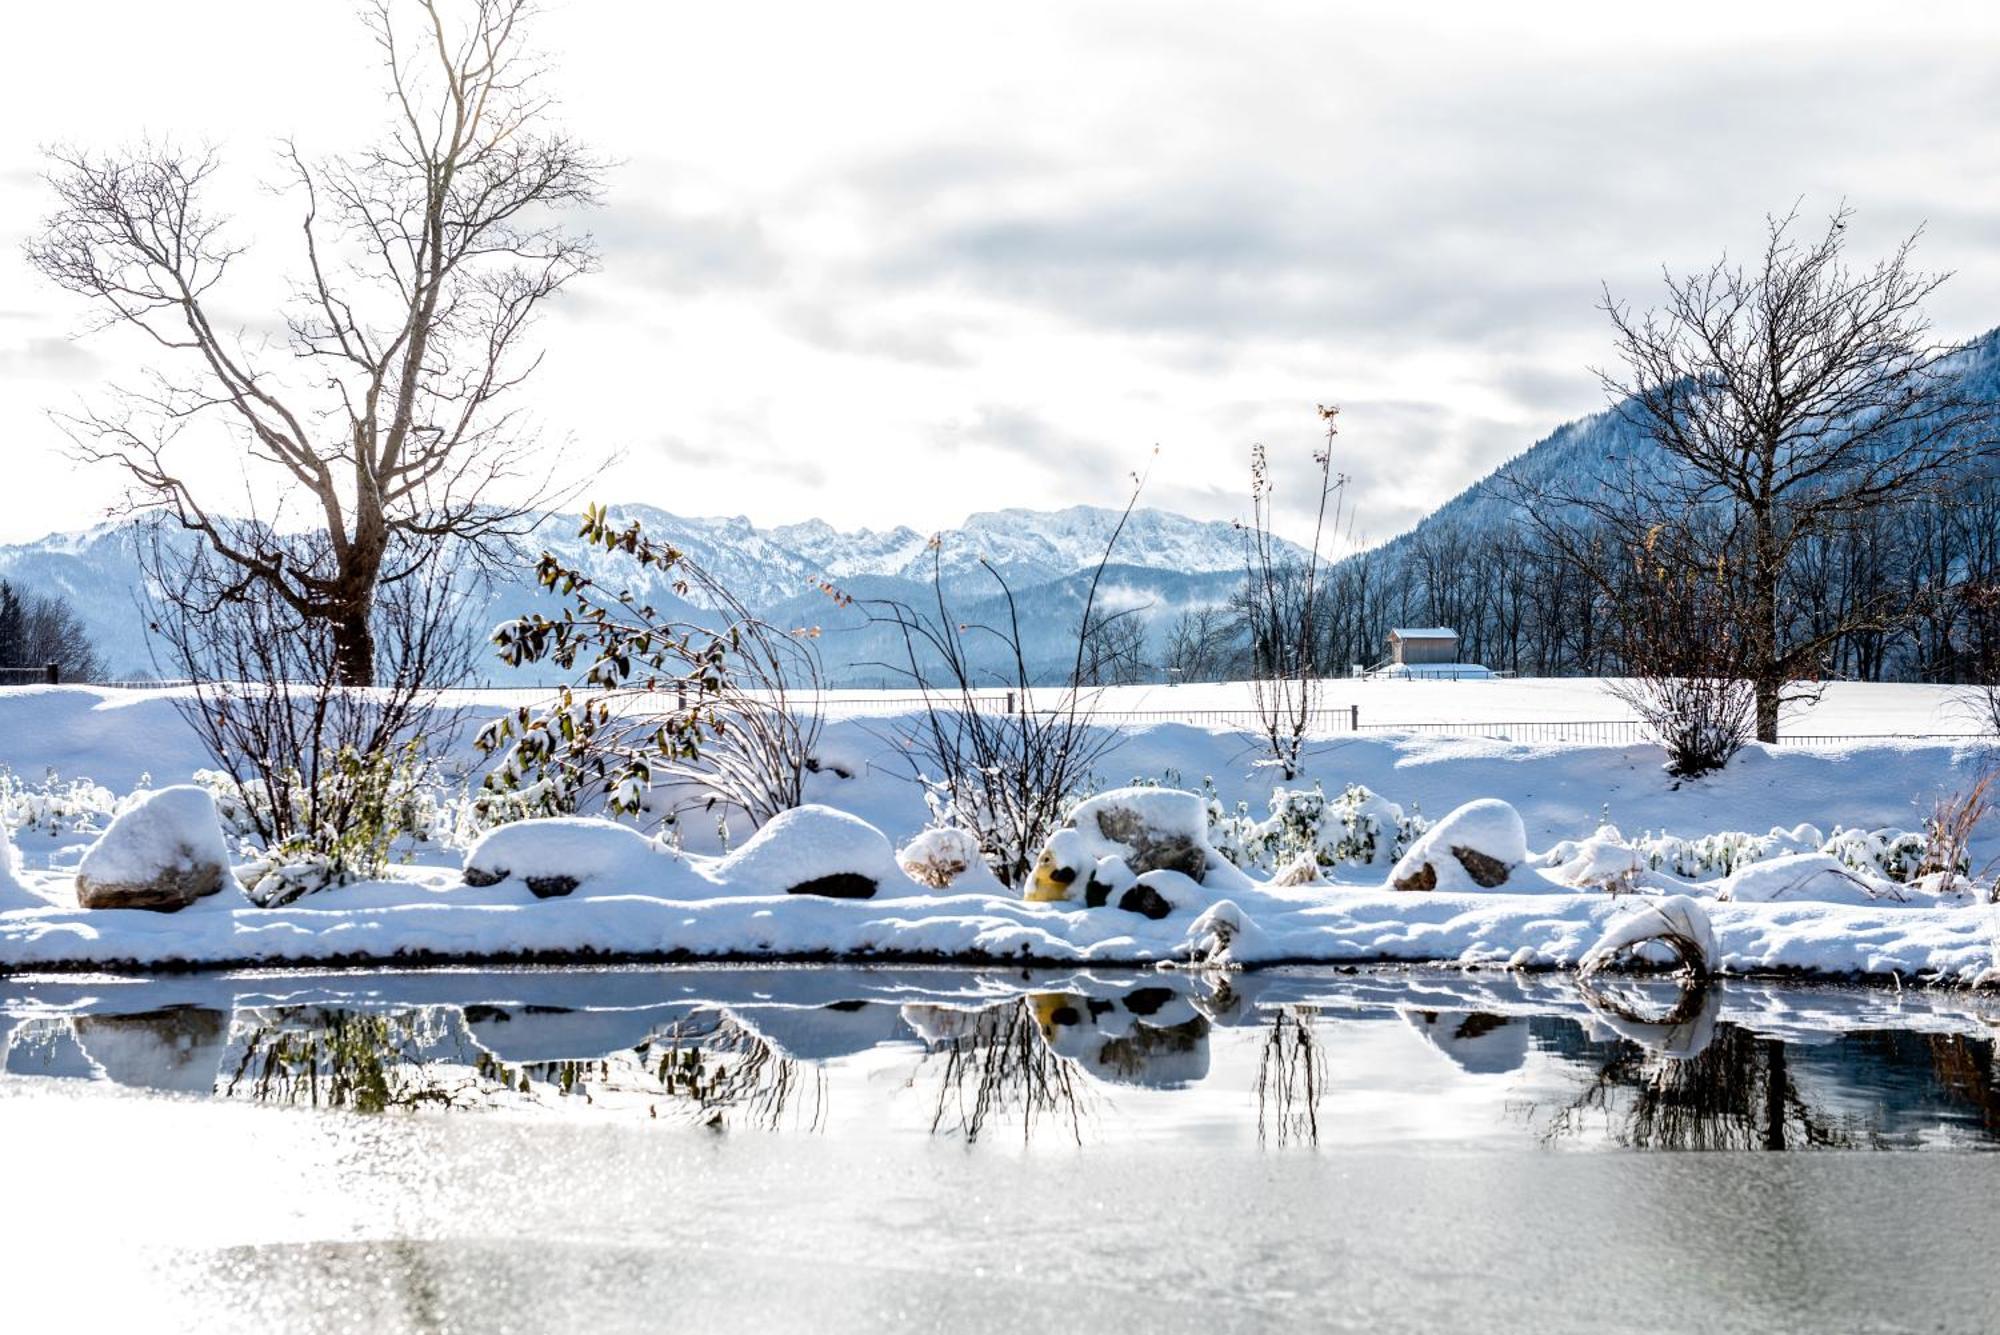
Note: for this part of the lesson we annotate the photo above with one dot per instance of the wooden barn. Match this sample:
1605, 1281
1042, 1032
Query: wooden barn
1411, 646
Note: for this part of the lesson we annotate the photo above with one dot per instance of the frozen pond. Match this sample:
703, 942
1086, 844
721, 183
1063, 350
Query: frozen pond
739, 1148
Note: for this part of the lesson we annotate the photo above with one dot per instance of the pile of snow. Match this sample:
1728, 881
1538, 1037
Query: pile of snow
164, 851
13, 895
557, 855
1818, 878
1476, 847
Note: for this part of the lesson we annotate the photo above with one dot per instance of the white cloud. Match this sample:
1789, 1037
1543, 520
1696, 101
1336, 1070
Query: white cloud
892, 264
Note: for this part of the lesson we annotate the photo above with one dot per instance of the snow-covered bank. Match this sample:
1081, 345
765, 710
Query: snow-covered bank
125, 739
1470, 892
1347, 927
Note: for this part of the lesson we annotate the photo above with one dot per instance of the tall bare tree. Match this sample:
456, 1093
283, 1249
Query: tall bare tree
424, 259
1785, 401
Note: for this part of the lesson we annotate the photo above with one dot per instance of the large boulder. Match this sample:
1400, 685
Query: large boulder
1144, 850
553, 856
1476, 847
812, 850
163, 853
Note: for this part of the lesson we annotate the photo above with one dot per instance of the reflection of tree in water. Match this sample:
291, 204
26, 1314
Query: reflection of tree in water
1679, 1080
1291, 1075
1737, 1093
715, 1065
364, 1061
359, 1060
995, 1064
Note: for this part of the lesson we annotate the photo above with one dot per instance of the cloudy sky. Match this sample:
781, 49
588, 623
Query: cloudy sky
893, 263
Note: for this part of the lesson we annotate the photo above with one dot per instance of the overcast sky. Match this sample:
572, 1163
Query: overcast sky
893, 263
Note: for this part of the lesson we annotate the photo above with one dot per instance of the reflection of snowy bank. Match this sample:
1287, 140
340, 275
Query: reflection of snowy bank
1288, 1055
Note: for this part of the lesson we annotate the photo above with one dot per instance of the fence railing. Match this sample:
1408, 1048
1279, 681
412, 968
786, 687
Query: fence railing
1326, 722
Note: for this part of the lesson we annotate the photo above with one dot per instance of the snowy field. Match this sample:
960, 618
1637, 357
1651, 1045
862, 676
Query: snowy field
719, 893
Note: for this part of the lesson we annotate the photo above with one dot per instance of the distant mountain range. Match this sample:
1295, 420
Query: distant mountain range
1163, 563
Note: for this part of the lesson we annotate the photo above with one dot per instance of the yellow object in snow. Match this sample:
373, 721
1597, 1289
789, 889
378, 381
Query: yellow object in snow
1051, 881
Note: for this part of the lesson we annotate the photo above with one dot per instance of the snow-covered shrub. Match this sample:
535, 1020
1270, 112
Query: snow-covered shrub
384, 799
1895, 855
938, 856
55, 806
1604, 861
1353, 828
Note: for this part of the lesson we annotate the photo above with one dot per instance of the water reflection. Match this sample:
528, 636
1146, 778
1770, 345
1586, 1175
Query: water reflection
1287, 1058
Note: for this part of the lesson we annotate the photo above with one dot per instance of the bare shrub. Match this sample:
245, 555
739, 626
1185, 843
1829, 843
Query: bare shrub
318, 773
1009, 775
1949, 829
1281, 606
1683, 653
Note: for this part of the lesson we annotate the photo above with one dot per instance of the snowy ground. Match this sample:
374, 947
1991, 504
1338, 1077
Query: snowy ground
694, 906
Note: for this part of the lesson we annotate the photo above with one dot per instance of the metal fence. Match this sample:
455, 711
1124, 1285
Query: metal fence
1327, 722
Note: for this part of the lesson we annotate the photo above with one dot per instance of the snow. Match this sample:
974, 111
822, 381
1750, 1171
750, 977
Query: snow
168, 830
637, 897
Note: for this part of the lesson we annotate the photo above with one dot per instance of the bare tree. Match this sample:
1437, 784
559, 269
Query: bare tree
424, 259
1201, 644
39, 629
1114, 647
1783, 401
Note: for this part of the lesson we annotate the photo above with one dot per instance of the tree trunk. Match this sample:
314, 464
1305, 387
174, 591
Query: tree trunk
354, 645
1769, 690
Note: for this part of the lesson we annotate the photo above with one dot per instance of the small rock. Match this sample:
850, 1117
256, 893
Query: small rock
1145, 901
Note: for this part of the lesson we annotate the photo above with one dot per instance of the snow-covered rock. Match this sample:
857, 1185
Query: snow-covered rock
163, 852
811, 850
1144, 850
554, 856
1476, 847
1151, 829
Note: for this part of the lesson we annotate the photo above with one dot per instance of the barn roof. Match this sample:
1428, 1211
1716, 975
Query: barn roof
1423, 633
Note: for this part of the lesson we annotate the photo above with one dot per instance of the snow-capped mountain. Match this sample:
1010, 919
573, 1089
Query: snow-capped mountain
775, 571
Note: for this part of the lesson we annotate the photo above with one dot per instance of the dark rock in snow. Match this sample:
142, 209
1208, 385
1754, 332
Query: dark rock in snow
840, 885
